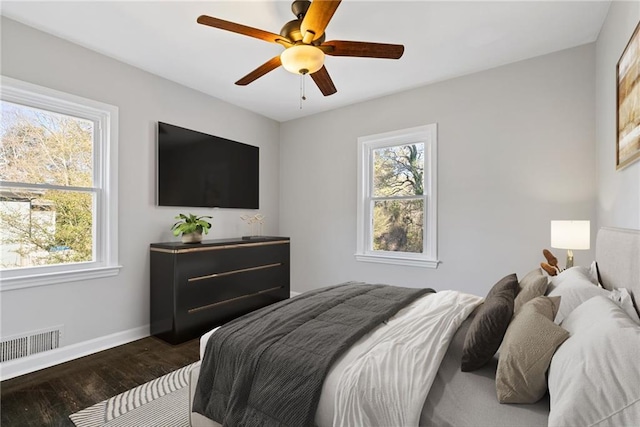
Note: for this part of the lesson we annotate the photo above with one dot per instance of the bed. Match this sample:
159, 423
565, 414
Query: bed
450, 397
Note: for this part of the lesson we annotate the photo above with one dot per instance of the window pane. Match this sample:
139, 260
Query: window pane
398, 171
44, 227
397, 225
43, 147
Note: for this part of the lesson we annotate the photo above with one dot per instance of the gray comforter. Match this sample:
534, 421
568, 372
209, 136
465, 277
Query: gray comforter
267, 368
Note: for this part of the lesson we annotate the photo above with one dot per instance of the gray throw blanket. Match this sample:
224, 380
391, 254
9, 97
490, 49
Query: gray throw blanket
267, 367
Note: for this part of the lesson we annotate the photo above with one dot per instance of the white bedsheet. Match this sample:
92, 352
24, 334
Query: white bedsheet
384, 379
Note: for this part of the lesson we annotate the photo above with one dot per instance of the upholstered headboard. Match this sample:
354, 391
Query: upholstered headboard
618, 257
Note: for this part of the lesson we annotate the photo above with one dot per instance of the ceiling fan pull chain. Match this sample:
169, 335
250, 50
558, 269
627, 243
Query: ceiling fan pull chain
303, 96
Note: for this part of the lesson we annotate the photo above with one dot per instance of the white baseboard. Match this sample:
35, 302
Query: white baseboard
25, 365
293, 294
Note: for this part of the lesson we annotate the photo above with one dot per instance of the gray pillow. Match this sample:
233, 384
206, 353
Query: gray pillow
533, 285
488, 327
528, 346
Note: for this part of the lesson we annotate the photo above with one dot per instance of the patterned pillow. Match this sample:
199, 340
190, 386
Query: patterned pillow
527, 348
533, 285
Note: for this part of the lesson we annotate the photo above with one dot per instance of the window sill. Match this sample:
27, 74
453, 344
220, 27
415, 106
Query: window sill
51, 278
412, 262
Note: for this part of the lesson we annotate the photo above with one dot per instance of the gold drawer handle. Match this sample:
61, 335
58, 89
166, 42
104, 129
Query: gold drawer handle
229, 273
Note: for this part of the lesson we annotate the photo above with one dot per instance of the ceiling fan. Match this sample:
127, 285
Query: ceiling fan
305, 45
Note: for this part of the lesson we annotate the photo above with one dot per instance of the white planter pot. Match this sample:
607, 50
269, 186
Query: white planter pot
194, 237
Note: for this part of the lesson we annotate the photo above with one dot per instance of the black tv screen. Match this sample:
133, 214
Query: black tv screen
200, 170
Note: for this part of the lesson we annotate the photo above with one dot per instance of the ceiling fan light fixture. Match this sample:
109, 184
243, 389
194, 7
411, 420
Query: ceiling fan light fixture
302, 59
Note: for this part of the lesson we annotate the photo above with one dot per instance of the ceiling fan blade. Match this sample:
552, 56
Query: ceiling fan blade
244, 30
270, 65
362, 49
316, 19
323, 81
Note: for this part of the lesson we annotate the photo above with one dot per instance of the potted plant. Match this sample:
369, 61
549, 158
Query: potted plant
191, 227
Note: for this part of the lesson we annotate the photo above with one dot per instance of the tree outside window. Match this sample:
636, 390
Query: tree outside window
52, 221
398, 206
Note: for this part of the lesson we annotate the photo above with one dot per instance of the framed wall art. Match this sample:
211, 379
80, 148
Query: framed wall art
628, 103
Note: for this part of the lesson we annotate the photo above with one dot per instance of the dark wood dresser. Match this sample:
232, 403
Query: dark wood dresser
195, 287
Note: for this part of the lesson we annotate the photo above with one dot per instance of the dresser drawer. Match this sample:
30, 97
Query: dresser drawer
199, 292
198, 322
208, 262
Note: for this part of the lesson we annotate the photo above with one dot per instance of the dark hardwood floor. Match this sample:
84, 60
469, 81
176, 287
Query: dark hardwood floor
49, 396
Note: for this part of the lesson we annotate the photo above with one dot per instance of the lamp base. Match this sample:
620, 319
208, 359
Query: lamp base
569, 259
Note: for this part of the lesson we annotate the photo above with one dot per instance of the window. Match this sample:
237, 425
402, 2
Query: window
397, 197
58, 187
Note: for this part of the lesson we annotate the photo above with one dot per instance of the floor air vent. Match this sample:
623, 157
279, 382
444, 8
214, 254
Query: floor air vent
27, 344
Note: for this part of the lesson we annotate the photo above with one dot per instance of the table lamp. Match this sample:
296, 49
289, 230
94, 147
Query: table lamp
570, 235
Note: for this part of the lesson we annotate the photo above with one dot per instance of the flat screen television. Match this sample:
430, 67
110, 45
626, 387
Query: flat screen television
200, 170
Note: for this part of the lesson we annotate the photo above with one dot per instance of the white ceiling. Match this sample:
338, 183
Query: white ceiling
442, 40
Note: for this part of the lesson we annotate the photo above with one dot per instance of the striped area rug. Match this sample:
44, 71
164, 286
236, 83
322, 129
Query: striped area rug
160, 402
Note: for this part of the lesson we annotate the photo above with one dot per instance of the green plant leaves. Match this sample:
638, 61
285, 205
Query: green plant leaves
190, 224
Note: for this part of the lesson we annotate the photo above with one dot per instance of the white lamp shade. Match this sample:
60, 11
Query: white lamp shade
302, 59
571, 235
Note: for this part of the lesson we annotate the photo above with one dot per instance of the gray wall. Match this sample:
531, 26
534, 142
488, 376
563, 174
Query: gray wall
516, 150
618, 191
101, 307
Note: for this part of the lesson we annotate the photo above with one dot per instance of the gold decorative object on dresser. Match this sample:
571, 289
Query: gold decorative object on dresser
194, 289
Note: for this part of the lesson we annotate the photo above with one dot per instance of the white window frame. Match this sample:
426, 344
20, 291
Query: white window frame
427, 135
105, 181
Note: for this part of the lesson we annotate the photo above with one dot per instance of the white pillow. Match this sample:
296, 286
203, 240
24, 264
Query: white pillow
590, 273
594, 377
575, 287
622, 297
